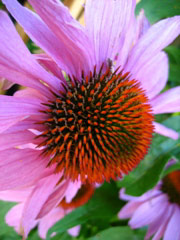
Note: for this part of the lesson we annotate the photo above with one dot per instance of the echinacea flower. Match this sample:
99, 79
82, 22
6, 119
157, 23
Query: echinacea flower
27, 214
89, 103
158, 208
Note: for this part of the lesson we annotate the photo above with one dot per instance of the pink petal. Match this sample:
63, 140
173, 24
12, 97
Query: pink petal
50, 65
153, 41
142, 26
42, 35
159, 225
128, 210
111, 26
167, 102
74, 231
19, 195
149, 211
154, 76
146, 196
30, 93
13, 217
49, 220
20, 167
72, 190
173, 229
18, 106
15, 139
54, 198
23, 124
72, 37
16, 62
161, 129
14, 109
37, 199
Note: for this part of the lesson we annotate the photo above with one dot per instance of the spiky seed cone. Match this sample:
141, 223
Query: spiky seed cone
98, 128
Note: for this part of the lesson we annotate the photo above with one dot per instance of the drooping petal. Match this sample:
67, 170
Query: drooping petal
148, 195
37, 199
173, 230
153, 41
167, 102
49, 220
154, 75
50, 65
20, 167
72, 190
111, 26
71, 35
16, 62
149, 211
128, 210
13, 217
54, 198
158, 227
161, 129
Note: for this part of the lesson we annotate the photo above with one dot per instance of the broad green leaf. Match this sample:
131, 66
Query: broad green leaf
150, 177
117, 233
102, 207
159, 9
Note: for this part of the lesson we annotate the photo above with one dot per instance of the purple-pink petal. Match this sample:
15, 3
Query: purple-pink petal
67, 30
154, 74
15, 139
165, 131
107, 23
17, 64
20, 167
36, 200
167, 102
149, 211
153, 41
173, 229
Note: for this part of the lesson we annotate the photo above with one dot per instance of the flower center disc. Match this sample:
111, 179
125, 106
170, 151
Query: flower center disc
98, 128
171, 186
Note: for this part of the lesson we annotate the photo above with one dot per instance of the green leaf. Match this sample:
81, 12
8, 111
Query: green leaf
102, 207
150, 178
117, 233
170, 169
159, 9
174, 59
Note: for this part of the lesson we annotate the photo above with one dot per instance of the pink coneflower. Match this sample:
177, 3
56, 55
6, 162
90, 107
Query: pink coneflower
158, 208
30, 211
95, 123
